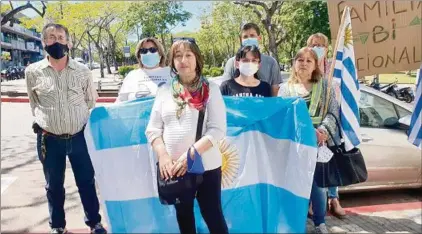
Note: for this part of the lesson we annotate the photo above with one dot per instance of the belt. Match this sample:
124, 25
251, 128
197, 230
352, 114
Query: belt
63, 136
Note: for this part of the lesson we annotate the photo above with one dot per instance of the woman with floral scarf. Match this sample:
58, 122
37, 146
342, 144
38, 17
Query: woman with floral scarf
172, 128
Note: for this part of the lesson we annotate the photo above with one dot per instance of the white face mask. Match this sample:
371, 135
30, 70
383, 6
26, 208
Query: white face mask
248, 69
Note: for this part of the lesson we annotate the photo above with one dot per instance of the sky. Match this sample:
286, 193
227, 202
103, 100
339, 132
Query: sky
194, 7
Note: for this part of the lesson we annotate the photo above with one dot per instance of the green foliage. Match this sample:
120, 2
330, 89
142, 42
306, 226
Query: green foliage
218, 36
156, 17
300, 19
124, 70
212, 71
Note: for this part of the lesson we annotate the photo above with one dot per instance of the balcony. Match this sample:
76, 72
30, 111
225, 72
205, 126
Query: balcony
18, 29
18, 45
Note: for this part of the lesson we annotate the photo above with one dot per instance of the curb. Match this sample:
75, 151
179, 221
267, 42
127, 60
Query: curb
26, 100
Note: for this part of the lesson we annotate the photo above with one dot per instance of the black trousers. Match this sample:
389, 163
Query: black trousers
208, 194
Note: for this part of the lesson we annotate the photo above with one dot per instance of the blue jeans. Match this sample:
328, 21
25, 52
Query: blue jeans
333, 192
319, 204
54, 165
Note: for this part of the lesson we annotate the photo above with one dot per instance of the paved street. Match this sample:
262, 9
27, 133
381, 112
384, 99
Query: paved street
24, 206
108, 82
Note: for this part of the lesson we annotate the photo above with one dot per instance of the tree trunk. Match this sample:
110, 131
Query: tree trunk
101, 63
113, 55
271, 38
137, 33
163, 41
107, 61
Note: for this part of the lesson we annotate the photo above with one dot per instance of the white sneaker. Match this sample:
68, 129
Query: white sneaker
321, 228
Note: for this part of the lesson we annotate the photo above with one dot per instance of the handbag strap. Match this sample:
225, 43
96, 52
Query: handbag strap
200, 124
338, 127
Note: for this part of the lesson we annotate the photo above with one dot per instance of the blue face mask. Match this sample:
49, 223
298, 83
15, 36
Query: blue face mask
320, 51
150, 60
250, 42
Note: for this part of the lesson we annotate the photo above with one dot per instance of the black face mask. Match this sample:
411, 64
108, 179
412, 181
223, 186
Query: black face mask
57, 50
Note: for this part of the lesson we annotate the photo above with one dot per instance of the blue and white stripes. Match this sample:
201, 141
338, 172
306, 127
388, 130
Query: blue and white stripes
345, 72
269, 157
415, 131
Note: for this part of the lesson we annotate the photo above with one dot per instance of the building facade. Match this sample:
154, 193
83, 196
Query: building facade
19, 46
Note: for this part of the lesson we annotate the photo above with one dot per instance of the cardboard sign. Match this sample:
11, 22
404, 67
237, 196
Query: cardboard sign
386, 34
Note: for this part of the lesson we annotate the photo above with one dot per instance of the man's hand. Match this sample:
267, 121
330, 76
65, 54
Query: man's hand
36, 128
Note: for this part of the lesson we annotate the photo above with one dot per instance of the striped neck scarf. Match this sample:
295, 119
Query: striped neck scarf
314, 100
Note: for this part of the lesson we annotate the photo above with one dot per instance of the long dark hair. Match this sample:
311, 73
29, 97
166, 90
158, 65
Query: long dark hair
241, 53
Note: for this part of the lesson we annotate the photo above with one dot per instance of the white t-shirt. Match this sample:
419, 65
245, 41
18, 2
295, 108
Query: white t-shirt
143, 82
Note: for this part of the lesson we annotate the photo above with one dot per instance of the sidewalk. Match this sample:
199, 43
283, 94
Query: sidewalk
389, 221
15, 90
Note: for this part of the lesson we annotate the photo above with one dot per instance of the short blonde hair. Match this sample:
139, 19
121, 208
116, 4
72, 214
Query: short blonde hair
316, 74
159, 46
318, 36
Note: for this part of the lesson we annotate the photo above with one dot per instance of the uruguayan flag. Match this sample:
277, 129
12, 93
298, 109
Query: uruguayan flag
345, 73
269, 157
415, 131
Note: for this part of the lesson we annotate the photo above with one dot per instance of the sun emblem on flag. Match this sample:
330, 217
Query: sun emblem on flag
230, 163
348, 37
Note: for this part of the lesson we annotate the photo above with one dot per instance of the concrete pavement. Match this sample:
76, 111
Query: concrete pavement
23, 204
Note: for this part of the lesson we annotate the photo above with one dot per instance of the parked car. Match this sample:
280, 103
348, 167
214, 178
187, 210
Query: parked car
392, 162
94, 65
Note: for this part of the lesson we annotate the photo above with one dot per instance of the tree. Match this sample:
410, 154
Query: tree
100, 23
219, 36
157, 18
300, 20
10, 12
70, 15
265, 12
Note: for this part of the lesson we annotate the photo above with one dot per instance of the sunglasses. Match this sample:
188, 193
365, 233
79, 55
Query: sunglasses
189, 39
145, 50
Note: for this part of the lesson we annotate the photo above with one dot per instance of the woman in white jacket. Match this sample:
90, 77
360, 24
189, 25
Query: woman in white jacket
172, 128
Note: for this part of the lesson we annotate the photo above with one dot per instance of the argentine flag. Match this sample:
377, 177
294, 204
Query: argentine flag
415, 130
346, 74
269, 157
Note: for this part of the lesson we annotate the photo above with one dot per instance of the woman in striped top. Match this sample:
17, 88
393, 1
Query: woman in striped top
172, 129
306, 82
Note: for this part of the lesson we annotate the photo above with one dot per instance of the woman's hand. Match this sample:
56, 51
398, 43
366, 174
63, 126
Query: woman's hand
166, 165
321, 136
180, 166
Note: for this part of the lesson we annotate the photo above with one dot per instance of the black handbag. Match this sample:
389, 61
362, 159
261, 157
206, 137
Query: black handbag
344, 168
169, 191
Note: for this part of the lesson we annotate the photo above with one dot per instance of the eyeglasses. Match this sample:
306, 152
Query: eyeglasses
145, 50
189, 39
